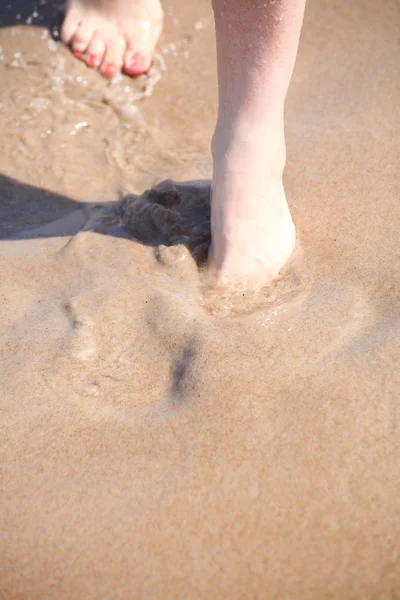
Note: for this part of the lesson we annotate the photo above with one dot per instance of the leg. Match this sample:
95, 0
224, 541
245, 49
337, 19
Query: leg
114, 35
253, 234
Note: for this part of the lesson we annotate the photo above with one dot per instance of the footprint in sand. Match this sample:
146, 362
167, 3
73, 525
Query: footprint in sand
347, 319
83, 343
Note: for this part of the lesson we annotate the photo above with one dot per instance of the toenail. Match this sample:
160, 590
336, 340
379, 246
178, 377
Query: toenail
138, 63
92, 60
110, 70
78, 53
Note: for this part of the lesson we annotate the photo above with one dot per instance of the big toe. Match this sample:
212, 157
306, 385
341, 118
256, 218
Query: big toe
136, 62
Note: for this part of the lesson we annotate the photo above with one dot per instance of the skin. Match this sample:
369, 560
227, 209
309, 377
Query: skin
113, 35
253, 235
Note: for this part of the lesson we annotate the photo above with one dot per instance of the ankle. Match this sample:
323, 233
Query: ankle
246, 149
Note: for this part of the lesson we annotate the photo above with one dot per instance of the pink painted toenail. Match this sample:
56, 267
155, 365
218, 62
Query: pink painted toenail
137, 65
92, 60
110, 70
78, 53
139, 61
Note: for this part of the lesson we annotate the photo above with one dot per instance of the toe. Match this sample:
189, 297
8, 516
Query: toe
95, 52
70, 25
82, 38
112, 60
136, 62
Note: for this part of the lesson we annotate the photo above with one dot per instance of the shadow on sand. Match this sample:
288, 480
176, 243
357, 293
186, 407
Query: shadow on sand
168, 214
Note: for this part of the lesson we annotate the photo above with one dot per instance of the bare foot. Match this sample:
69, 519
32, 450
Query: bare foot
114, 35
253, 234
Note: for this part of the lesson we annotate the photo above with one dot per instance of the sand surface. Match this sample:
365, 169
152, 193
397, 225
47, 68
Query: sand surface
150, 447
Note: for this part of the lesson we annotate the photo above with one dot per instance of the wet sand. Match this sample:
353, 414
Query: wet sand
151, 447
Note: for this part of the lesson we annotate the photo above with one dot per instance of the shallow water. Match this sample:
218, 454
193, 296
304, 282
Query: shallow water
160, 440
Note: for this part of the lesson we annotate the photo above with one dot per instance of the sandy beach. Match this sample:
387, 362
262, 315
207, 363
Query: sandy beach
159, 443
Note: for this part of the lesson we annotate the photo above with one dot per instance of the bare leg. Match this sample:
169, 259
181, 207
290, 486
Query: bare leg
113, 35
253, 234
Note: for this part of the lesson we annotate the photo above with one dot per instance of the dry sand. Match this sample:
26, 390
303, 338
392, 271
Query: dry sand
148, 449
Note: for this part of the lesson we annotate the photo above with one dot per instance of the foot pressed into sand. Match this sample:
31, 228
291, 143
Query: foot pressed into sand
253, 235
113, 35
